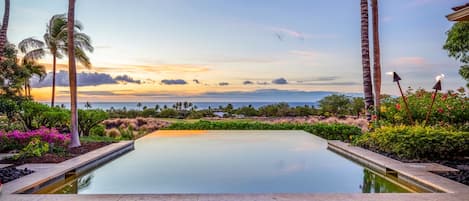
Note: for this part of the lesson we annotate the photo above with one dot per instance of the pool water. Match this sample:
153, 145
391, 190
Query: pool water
229, 162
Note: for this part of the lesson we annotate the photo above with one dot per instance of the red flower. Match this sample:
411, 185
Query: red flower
444, 97
398, 106
440, 110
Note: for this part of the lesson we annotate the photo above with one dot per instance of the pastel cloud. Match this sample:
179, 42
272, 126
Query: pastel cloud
280, 81
83, 79
173, 82
223, 83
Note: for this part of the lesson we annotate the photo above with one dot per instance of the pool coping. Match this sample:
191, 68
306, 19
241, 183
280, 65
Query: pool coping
419, 174
46, 174
450, 190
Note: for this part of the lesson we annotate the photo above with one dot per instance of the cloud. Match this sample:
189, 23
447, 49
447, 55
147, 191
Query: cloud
83, 79
126, 78
280, 81
281, 32
321, 78
247, 82
223, 83
97, 93
174, 82
409, 61
133, 68
331, 83
262, 83
196, 81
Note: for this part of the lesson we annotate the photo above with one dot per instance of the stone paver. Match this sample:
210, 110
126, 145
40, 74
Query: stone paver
5, 165
431, 167
246, 197
2, 156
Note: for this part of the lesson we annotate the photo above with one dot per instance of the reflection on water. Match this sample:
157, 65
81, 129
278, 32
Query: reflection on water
229, 162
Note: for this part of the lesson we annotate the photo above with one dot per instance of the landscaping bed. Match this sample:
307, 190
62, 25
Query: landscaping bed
58, 157
418, 144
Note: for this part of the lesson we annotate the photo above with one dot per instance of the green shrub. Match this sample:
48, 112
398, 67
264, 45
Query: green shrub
98, 130
34, 115
88, 119
450, 108
417, 142
114, 133
126, 134
327, 131
35, 147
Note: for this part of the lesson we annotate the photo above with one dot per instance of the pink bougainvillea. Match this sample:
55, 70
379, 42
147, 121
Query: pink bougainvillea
19, 138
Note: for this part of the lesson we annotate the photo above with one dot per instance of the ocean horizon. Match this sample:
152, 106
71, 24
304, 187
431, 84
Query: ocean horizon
200, 105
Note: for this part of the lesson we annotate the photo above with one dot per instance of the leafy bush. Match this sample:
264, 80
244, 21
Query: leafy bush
114, 133
417, 142
35, 147
17, 140
98, 130
34, 115
88, 119
327, 131
450, 108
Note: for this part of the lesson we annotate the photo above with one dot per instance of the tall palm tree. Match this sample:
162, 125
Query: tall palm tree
376, 54
367, 84
72, 73
56, 44
4, 29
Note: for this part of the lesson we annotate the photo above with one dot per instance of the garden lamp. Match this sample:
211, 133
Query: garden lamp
396, 79
436, 87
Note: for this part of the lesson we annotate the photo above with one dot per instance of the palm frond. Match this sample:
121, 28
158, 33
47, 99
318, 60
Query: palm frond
30, 43
35, 54
82, 58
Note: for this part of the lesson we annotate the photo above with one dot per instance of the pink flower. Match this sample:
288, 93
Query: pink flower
398, 106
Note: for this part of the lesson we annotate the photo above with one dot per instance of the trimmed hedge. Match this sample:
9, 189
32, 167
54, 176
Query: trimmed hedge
417, 142
327, 131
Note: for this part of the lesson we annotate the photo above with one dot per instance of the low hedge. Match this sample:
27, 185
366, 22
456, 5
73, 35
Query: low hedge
327, 131
417, 142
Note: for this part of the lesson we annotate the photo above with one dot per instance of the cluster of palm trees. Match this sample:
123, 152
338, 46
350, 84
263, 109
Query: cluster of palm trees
63, 37
372, 101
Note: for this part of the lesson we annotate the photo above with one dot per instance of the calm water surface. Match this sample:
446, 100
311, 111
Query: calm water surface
228, 162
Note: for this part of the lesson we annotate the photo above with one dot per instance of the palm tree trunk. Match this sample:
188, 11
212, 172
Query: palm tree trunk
4, 29
72, 73
54, 63
376, 54
367, 84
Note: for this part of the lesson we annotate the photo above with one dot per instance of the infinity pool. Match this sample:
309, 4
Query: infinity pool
229, 162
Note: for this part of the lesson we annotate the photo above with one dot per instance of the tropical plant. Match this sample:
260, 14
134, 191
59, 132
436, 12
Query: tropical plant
30, 69
365, 41
72, 72
56, 44
335, 105
88, 119
4, 28
457, 45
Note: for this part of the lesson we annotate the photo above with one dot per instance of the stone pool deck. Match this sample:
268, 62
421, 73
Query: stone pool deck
406, 172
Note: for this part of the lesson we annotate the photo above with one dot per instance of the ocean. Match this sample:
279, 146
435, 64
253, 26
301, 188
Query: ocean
200, 105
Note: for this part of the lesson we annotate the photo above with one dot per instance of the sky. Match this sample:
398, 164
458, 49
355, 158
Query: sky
171, 50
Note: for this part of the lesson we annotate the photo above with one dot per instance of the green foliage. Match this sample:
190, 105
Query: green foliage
457, 45
98, 130
126, 134
275, 110
247, 111
450, 108
87, 119
417, 142
327, 131
35, 148
35, 115
335, 105
169, 113
8, 107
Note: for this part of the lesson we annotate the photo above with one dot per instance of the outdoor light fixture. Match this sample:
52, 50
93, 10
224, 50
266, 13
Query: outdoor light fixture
436, 87
396, 79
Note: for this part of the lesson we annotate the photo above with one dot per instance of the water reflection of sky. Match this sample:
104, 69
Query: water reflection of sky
228, 162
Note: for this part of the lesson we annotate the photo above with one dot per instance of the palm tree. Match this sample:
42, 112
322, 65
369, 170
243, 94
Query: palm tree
56, 44
72, 73
31, 68
4, 29
367, 84
376, 54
